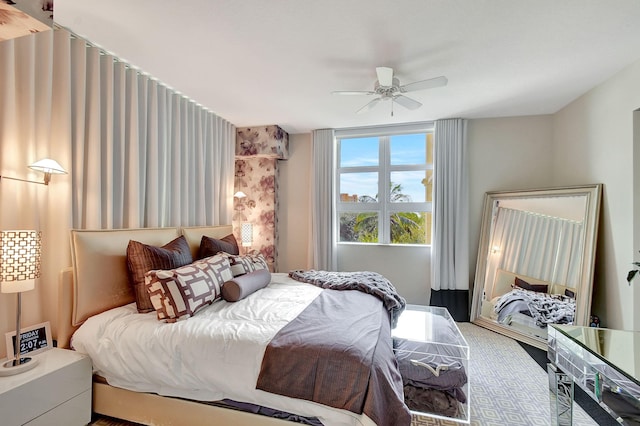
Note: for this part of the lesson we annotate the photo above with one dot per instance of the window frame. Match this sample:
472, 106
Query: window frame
384, 207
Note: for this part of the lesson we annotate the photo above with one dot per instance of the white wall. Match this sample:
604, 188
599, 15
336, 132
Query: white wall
293, 205
594, 144
407, 267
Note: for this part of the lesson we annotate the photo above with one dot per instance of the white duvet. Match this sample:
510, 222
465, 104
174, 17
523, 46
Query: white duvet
212, 356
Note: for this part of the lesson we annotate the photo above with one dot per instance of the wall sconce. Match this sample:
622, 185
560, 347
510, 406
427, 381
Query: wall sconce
246, 234
19, 267
239, 194
47, 166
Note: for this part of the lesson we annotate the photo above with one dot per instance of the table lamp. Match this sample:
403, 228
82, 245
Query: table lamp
19, 267
246, 235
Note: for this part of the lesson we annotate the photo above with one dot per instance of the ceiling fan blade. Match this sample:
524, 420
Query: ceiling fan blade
407, 102
368, 106
353, 92
424, 84
385, 76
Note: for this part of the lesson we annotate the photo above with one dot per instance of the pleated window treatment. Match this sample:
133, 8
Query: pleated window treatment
138, 154
536, 245
450, 241
323, 241
143, 155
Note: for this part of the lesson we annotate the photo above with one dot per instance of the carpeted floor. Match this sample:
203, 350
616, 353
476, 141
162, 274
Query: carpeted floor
507, 386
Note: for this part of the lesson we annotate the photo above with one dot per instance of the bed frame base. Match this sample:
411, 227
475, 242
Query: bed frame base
156, 410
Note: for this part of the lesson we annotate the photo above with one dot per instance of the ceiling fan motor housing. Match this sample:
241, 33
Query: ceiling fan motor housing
388, 91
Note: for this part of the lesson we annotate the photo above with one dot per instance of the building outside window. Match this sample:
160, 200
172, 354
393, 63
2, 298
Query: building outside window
384, 185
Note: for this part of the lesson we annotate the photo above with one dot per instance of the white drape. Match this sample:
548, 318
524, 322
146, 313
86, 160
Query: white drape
450, 241
143, 155
322, 248
138, 154
540, 246
34, 125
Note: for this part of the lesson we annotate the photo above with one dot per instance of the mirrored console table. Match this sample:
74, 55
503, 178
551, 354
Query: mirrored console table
605, 363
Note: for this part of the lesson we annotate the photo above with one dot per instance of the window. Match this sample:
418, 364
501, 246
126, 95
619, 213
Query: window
384, 185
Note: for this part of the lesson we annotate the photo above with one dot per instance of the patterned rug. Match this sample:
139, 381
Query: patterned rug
507, 386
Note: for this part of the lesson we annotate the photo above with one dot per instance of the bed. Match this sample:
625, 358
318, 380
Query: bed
252, 380
528, 304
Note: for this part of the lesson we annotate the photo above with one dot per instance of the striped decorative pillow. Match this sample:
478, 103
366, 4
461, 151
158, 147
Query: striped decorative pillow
179, 293
142, 258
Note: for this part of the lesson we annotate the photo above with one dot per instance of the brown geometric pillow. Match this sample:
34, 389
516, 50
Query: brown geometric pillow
142, 258
211, 246
241, 265
179, 293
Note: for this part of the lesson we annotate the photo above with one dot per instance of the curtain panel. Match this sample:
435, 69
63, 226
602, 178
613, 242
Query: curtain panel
138, 153
143, 155
536, 245
450, 233
322, 240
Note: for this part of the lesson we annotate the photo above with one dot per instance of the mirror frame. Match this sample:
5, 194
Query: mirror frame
583, 302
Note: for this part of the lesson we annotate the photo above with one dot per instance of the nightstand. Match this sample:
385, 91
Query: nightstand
56, 392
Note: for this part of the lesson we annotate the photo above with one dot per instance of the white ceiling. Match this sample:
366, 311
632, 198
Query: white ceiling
257, 62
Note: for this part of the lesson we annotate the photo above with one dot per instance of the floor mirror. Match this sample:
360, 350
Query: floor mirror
535, 260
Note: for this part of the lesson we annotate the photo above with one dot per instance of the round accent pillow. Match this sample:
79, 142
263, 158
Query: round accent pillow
243, 285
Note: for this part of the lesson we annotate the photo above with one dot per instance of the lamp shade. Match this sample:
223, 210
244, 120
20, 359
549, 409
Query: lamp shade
19, 260
47, 165
239, 194
246, 234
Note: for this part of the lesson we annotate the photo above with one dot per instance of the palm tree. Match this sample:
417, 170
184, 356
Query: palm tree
406, 227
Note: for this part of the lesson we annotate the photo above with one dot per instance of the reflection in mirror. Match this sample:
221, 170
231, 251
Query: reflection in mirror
535, 260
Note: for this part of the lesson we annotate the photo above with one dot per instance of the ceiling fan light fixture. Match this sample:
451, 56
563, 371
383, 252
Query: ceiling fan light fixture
388, 87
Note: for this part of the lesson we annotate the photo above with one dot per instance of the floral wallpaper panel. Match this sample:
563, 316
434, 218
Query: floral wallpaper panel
269, 141
257, 178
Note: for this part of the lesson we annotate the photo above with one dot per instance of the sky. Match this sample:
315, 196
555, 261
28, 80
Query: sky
404, 150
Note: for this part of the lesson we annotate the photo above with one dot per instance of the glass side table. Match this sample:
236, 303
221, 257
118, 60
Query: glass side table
605, 363
433, 358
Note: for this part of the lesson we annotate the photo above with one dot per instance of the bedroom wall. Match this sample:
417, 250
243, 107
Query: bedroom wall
594, 143
509, 153
294, 213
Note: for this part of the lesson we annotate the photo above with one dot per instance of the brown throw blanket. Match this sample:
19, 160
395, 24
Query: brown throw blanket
338, 352
366, 281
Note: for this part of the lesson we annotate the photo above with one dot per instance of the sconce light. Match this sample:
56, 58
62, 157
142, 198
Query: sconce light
246, 234
239, 194
47, 166
19, 267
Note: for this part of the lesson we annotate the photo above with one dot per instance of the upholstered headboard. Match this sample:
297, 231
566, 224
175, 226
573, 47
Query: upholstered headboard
504, 281
98, 278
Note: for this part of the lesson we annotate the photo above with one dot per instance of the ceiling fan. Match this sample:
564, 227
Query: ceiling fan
388, 88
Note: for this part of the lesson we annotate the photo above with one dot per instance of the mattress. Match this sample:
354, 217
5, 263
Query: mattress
212, 356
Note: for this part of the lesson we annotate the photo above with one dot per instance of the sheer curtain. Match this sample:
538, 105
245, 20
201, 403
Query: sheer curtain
138, 154
322, 250
450, 242
143, 154
536, 245
34, 125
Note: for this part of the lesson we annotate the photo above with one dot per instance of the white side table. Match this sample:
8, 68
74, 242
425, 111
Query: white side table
55, 392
